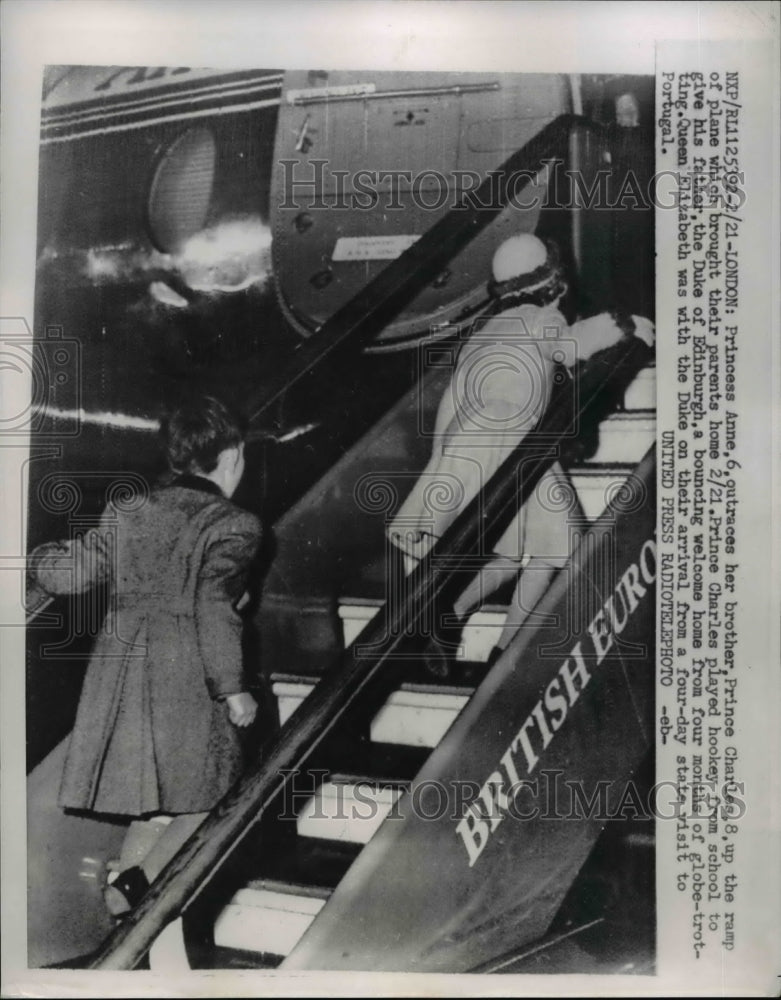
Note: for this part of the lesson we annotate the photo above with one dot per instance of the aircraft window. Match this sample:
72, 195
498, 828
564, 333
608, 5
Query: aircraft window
181, 189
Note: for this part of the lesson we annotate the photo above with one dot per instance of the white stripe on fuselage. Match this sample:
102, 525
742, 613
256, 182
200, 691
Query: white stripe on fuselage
228, 89
102, 419
157, 121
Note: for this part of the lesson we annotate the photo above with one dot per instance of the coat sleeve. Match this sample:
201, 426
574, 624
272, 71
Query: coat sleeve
227, 559
72, 566
597, 333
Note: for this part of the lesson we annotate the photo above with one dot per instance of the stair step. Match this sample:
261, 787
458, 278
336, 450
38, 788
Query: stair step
597, 485
625, 437
416, 718
289, 695
477, 641
348, 809
317, 863
641, 392
402, 760
265, 920
417, 715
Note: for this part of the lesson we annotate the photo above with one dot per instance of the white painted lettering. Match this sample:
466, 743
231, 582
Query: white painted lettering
568, 674
542, 724
513, 778
601, 636
523, 741
495, 798
556, 704
495, 801
649, 572
474, 832
619, 623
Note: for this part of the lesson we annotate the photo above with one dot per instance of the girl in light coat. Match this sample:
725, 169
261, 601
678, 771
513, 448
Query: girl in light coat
501, 386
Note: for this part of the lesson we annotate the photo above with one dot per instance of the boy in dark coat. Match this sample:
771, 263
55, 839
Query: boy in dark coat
156, 728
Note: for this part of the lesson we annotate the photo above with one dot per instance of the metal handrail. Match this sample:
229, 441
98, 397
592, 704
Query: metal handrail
478, 526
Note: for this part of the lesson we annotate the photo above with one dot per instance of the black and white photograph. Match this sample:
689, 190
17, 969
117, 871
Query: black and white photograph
352, 636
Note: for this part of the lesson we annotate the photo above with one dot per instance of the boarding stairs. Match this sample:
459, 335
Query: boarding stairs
303, 846
336, 784
358, 783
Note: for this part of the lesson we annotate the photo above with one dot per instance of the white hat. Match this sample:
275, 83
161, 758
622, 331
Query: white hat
518, 255
524, 265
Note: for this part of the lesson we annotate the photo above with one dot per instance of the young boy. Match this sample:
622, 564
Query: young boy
156, 729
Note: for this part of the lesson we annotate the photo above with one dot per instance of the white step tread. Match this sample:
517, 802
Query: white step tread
415, 715
347, 810
477, 641
597, 485
263, 920
641, 392
289, 695
625, 437
416, 718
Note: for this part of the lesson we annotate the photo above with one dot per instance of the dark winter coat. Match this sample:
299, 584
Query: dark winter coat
152, 732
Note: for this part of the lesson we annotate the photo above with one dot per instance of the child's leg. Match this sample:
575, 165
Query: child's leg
554, 517
532, 584
176, 833
140, 838
487, 581
448, 624
149, 846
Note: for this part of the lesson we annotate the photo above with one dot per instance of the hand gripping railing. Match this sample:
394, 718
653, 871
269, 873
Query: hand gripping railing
397, 284
476, 528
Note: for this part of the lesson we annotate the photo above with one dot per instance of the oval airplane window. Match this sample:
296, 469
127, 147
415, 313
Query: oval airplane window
181, 189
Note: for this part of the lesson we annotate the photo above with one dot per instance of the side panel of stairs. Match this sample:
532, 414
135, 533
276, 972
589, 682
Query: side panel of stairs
66, 869
443, 886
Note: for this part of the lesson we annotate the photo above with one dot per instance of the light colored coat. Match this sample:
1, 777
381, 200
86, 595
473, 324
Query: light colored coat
500, 387
152, 732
